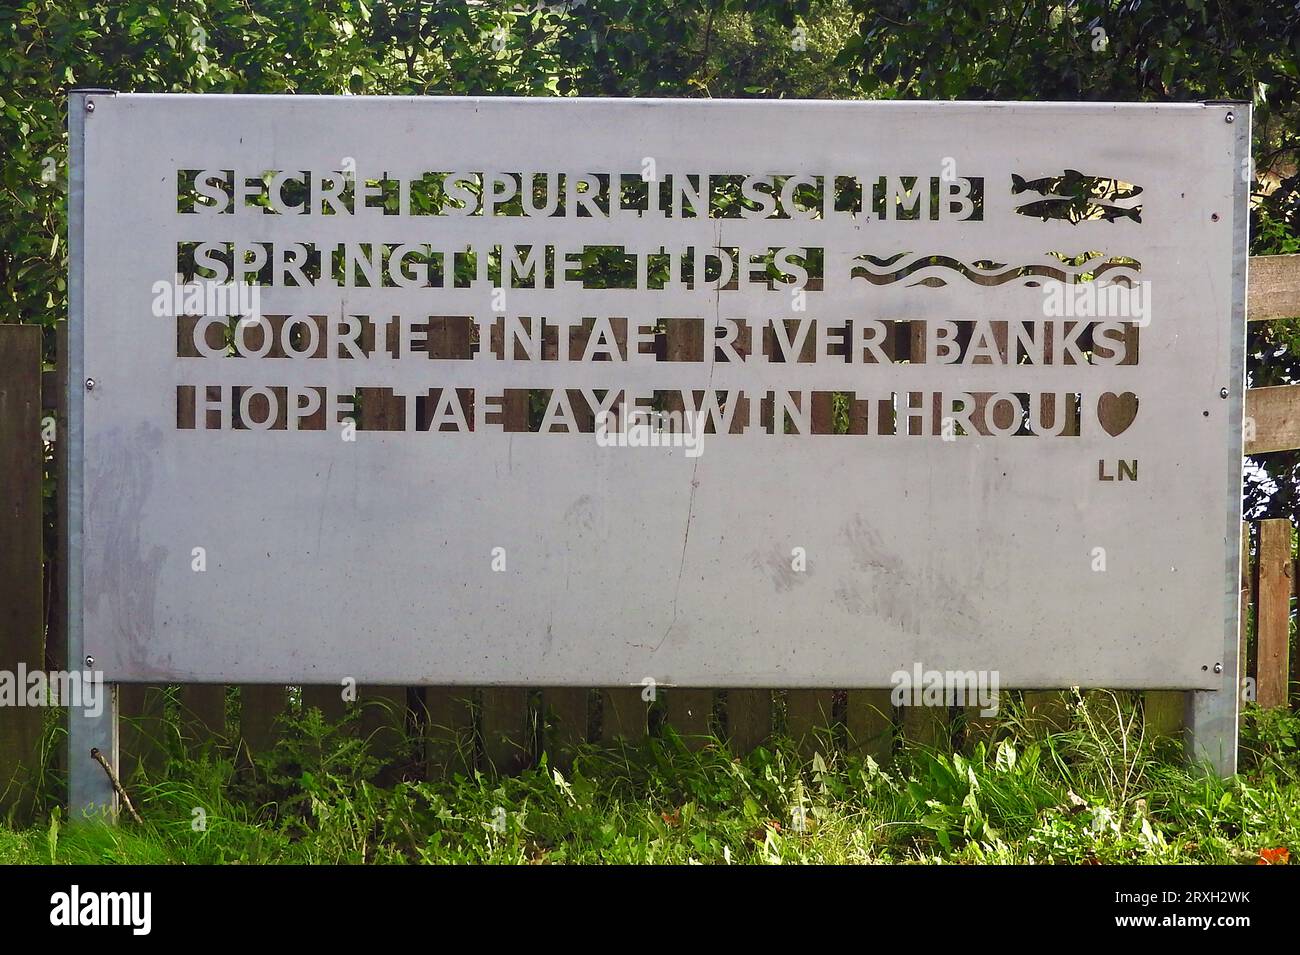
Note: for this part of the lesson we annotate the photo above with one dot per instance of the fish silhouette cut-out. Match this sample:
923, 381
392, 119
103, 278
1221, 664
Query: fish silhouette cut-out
1076, 197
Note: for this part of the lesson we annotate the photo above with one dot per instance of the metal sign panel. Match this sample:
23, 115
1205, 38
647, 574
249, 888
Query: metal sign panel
716, 393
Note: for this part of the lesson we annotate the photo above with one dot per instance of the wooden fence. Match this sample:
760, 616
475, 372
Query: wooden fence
506, 729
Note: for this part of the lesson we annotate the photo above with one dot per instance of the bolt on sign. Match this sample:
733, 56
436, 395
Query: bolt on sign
573, 392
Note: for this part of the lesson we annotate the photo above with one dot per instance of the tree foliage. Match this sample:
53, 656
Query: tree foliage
1157, 50
1131, 50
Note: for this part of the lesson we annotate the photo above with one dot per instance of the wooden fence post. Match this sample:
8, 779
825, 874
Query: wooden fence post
1273, 613
504, 720
447, 721
202, 705
1295, 657
623, 715
564, 710
928, 726
809, 719
22, 643
688, 710
504, 716
978, 728
748, 712
1048, 708
563, 713
808, 711
749, 719
869, 714
259, 705
1244, 604
142, 729
870, 719
382, 722
327, 698
689, 713
202, 712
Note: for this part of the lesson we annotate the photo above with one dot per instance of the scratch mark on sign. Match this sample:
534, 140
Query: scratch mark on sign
710, 354
324, 505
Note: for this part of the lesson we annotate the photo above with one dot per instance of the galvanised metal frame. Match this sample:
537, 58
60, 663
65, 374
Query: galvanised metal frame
1211, 720
90, 792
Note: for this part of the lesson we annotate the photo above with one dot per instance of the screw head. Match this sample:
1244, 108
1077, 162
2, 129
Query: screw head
1223, 392
1218, 668
90, 384
90, 661
1229, 117
90, 106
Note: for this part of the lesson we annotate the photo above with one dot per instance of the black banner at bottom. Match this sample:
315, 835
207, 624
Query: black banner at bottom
301, 904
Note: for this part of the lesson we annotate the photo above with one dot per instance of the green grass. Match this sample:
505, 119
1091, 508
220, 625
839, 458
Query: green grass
1096, 791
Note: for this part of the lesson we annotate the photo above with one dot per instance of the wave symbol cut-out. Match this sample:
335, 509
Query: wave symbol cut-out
936, 270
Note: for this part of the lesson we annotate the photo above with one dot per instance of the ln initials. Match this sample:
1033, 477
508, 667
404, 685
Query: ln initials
1128, 471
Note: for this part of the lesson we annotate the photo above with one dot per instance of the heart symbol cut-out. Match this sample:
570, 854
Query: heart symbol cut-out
1116, 412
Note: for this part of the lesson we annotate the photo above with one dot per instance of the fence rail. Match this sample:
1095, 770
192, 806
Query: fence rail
1274, 287
506, 728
